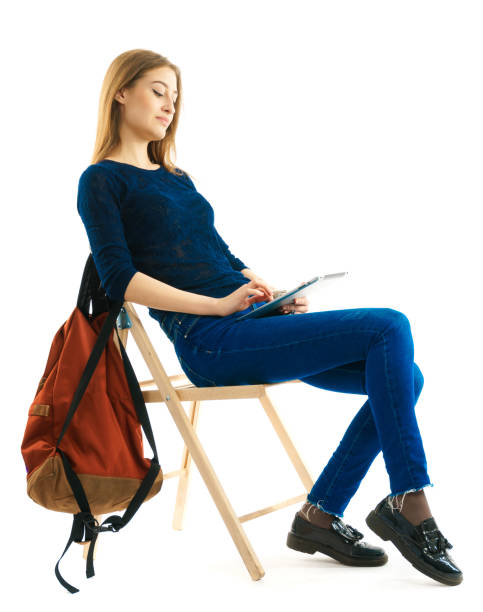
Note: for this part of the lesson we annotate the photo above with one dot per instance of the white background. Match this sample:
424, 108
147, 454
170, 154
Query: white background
327, 136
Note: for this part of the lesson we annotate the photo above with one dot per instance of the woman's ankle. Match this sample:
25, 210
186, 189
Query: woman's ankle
314, 515
413, 506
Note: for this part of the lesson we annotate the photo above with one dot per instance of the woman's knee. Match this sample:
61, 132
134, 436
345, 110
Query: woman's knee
396, 319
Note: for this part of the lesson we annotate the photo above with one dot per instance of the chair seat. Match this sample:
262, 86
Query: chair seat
187, 391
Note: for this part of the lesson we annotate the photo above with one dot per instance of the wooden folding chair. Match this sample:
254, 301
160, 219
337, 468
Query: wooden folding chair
173, 390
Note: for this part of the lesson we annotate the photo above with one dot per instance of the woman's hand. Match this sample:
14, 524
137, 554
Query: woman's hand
239, 299
299, 304
260, 291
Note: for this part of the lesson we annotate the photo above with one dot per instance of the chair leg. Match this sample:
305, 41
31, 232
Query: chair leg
195, 448
184, 479
85, 546
123, 334
217, 492
287, 443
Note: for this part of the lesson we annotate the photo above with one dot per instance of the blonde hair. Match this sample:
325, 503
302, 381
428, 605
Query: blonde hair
124, 71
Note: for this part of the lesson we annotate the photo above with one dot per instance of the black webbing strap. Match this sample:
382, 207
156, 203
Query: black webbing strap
138, 398
84, 523
76, 535
91, 364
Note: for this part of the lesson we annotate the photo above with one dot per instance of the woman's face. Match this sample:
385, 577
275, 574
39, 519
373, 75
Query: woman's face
147, 109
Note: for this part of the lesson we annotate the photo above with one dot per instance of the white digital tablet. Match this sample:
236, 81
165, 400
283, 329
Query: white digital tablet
305, 288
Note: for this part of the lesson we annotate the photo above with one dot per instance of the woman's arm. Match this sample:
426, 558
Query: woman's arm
98, 204
147, 291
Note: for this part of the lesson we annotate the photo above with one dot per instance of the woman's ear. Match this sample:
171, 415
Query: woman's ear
121, 96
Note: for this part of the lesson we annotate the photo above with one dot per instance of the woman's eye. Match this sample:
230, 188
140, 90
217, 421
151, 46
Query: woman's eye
160, 94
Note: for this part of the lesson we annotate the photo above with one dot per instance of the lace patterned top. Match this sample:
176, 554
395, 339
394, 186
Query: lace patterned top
156, 223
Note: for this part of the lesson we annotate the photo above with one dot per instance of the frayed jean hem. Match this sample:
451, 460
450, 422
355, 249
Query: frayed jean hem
320, 507
392, 496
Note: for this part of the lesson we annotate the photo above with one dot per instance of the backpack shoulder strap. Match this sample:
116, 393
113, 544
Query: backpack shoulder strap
84, 523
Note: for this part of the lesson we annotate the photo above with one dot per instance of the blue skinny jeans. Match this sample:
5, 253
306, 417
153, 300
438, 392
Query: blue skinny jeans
365, 351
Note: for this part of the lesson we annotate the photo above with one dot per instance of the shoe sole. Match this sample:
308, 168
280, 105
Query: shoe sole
386, 532
309, 546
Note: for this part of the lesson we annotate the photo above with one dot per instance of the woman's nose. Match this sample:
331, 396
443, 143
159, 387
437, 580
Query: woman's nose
169, 105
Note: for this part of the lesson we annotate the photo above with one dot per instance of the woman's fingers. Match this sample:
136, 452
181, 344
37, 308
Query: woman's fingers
299, 304
264, 286
264, 292
267, 290
256, 295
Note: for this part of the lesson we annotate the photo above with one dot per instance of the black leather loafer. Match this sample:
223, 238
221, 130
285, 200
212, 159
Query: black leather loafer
423, 545
340, 541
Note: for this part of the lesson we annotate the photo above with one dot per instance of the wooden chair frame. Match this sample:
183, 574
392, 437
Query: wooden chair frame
173, 390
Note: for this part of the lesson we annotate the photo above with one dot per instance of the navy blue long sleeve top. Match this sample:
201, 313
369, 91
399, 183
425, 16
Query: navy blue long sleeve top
154, 222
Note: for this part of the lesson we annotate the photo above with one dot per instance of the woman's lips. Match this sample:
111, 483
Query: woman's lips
163, 120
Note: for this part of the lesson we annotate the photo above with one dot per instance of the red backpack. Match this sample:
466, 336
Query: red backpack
83, 444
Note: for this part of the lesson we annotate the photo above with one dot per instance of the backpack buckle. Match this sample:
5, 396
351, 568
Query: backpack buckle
114, 523
123, 320
91, 524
